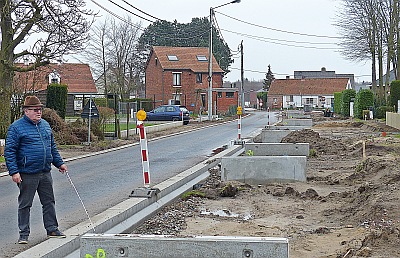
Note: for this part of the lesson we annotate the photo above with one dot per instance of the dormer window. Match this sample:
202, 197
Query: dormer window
201, 58
54, 77
172, 58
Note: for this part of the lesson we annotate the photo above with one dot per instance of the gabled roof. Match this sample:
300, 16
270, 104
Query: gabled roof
78, 77
187, 59
325, 86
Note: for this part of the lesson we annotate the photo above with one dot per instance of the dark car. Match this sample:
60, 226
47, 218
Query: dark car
169, 113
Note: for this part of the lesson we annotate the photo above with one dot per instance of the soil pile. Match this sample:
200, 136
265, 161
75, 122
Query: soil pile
349, 206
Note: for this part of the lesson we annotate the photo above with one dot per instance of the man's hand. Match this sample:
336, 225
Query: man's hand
63, 168
16, 178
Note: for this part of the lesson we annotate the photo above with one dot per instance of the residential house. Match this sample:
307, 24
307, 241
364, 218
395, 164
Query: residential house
77, 77
295, 93
179, 75
250, 91
323, 73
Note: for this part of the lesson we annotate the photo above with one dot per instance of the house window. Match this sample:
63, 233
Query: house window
199, 78
229, 94
201, 58
309, 101
172, 58
54, 77
176, 77
291, 98
219, 94
275, 100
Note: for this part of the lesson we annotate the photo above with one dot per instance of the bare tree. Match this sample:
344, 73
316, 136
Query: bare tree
96, 54
56, 27
115, 58
124, 56
370, 30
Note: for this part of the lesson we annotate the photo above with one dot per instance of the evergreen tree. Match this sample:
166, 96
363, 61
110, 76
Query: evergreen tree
193, 34
269, 77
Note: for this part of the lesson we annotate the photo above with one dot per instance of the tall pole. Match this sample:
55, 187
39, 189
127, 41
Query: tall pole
210, 68
241, 75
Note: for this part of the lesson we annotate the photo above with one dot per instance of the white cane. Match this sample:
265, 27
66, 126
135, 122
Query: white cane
76, 191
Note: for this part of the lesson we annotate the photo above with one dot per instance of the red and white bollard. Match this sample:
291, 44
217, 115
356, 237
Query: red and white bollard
239, 127
145, 191
145, 154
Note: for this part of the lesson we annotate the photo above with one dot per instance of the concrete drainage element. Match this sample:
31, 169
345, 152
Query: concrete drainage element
297, 122
263, 169
158, 246
277, 149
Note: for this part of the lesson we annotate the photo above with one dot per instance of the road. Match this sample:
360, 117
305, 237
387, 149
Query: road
107, 179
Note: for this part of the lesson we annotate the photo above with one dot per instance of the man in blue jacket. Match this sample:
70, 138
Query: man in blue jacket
29, 152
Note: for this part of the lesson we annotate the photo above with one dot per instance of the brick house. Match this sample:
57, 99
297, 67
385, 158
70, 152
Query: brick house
77, 77
295, 93
179, 75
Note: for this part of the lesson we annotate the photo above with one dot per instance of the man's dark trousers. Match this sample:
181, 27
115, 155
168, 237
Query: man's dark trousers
43, 184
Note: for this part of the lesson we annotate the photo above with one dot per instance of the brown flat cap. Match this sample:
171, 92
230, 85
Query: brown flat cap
32, 101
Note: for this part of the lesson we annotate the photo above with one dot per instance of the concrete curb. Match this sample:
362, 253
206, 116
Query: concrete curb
121, 212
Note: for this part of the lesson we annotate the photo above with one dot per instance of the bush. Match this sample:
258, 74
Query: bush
394, 93
347, 95
364, 100
57, 98
63, 134
380, 112
337, 106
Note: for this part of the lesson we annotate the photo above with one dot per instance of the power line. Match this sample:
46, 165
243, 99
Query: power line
117, 16
282, 44
123, 8
283, 31
141, 10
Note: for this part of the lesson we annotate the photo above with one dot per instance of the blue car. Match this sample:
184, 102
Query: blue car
169, 113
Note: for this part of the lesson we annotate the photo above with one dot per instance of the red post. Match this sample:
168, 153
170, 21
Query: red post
145, 155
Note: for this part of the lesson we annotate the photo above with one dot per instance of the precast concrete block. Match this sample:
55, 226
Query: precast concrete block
263, 169
278, 149
271, 136
289, 127
297, 122
158, 246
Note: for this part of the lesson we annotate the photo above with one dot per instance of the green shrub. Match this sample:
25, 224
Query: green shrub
394, 94
380, 112
363, 101
347, 95
337, 106
56, 98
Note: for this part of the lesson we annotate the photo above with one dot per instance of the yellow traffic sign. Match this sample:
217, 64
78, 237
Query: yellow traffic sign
239, 110
141, 115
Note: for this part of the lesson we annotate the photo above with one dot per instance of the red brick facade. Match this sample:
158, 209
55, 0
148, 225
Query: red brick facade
192, 91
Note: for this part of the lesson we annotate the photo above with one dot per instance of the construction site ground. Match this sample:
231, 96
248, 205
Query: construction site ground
348, 207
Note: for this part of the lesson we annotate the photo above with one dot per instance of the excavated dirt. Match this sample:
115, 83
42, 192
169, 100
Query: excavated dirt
349, 206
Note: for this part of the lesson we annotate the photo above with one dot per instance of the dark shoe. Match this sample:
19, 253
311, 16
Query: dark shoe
56, 234
23, 240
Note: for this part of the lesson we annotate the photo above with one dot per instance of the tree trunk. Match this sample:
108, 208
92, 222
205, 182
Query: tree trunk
6, 73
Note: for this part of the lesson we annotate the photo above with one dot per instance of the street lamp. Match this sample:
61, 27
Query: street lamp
210, 58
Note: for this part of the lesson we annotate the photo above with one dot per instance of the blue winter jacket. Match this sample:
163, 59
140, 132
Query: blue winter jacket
30, 147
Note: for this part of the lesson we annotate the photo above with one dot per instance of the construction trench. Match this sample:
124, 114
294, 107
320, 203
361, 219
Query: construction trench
262, 159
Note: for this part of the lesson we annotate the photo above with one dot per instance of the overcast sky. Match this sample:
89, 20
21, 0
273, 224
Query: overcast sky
290, 35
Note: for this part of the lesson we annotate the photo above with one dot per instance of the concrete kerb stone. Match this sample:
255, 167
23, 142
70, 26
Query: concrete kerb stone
120, 212
277, 149
159, 246
297, 122
263, 169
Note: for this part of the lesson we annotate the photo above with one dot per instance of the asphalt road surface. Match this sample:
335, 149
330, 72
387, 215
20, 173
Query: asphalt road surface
107, 179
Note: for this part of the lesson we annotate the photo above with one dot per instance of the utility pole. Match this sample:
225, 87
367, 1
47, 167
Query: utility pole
241, 76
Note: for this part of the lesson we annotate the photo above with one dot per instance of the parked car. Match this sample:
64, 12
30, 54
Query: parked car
169, 113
